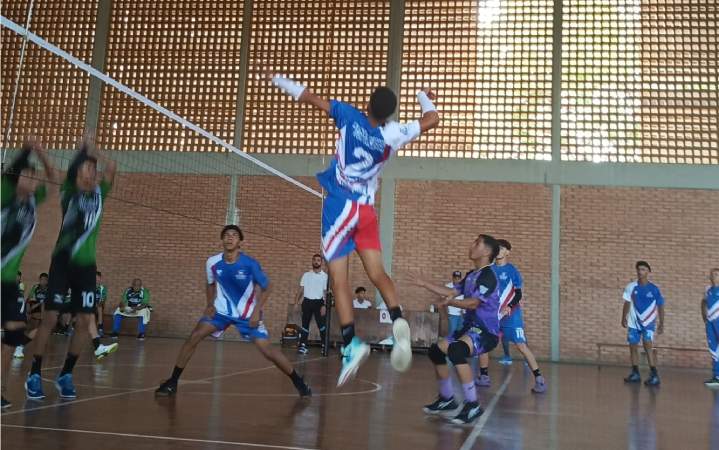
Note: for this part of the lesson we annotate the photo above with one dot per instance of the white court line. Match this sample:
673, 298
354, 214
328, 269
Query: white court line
135, 391
163, 438
469, 443
377, 387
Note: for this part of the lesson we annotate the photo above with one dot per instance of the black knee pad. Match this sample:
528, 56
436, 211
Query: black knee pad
436, 355
458, 352
15, 338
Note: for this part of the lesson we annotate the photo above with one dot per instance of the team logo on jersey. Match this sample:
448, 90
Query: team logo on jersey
650, 295
241, 275
503, 276
219, 272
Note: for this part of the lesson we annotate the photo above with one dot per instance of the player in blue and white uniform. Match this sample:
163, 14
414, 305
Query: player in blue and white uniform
512, 321
367, 139
237, 289
479, 333
643, 316
710, 314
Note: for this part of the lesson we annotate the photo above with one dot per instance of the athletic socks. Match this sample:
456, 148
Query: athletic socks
36, 364
96, 342
484, 370
176, 372
653, 370
395, 313
296, 379
470, 392
445, 388
348, 332
635, 369
70, 361
537, 372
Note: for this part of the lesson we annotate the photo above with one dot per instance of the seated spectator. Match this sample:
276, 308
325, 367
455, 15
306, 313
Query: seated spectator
33, 307
135, 303
361, 301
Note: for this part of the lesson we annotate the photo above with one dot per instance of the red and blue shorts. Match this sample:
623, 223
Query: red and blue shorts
348, 226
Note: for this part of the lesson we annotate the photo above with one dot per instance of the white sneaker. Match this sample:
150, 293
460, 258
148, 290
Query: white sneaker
19, 352
401, 357
352, 357
104, 350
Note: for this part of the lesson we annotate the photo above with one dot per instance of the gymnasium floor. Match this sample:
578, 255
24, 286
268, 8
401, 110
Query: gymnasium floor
232, 398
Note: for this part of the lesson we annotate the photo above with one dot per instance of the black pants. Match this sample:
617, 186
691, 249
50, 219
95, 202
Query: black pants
312, 308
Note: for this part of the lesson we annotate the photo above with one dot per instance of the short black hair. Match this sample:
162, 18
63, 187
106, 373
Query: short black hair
19, 273
643, 263
382, 103
316, 255
360, 289
492, 242
504, 243
44, 275
98, 273
227, 228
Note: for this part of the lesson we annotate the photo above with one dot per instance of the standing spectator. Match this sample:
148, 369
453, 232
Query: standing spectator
455, 316
135, 303
360, 301
710, 314
312, 294
100, 297
643, 316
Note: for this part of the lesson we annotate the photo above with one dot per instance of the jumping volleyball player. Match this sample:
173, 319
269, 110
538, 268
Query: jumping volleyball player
349, 221
21, 195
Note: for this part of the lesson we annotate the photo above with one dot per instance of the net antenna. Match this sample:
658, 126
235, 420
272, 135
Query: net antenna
29, 36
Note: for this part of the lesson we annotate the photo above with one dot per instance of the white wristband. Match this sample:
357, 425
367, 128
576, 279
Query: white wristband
289, 86
425, 102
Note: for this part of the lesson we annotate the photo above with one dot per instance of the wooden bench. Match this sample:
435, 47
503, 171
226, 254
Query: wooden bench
657, 349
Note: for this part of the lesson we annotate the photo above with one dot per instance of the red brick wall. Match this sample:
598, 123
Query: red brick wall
604, 232
163, 227
435, 223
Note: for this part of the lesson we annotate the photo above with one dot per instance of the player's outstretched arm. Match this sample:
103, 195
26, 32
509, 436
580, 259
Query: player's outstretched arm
439, 290
299, 92
430, 116
41, 154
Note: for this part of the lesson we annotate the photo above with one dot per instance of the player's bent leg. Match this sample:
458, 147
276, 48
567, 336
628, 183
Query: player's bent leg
648, 343
203, 329
401, 356
483, 379
540, 385
33, 383
458, 352
445, 399
280, 360
354, 350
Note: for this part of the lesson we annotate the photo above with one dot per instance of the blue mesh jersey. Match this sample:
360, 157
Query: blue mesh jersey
362, 151
510, 279
235, 284
481, 284
712, 298
645, 301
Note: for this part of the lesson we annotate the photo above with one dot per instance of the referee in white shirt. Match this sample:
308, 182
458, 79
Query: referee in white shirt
312, 294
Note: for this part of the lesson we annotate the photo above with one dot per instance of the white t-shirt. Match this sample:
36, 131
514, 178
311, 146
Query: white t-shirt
453, 310
365, 304
315, 284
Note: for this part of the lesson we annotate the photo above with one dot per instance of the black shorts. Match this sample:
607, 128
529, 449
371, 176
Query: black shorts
79, 279
13, 303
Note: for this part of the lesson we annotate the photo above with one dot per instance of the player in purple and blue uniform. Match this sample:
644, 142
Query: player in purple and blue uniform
511, 322
367, 139
479, 333
710, 314
237, 289
643, 316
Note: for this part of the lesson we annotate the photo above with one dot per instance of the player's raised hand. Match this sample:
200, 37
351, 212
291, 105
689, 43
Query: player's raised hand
430, 93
